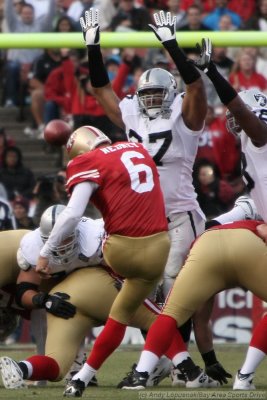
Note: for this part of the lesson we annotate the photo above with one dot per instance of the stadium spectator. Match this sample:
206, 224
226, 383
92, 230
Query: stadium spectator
65, 24
16, 178
40, 70
244, 75
21, 208
107, 10
77, 8
47, 192
19, 60
212, 19
258, 21
215, 195
220, 148
7, 220
5, 142
147, 118
128, 17
194, 23
174, 7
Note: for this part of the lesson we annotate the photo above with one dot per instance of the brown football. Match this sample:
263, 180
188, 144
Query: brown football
57, 132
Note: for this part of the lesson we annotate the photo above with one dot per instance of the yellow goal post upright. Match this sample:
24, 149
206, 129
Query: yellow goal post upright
131, 39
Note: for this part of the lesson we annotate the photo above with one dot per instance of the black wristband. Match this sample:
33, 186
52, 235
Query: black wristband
209, 358
97, 70
39, 300
225, 91
187, 70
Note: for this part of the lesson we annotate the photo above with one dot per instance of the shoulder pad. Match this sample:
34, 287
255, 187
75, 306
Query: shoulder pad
22, 262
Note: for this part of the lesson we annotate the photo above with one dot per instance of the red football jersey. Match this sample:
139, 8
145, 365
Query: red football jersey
129, 196
244, 224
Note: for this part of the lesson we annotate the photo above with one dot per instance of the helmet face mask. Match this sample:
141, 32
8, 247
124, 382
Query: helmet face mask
66, 251
156, 91
253, 99
85, 139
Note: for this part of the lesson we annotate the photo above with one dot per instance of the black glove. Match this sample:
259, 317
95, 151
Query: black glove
55, 304
205, 51
218, 373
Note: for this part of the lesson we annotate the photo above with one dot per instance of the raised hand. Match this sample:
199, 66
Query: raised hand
90, 26
165, 26
205, 51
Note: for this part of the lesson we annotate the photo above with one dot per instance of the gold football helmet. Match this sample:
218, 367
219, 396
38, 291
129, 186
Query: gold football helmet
84, 139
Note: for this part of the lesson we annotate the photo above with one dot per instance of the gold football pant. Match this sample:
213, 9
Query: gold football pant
92, 290
141, 261
220, 259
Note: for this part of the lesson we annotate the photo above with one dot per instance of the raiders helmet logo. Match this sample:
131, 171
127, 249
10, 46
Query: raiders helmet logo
261, 99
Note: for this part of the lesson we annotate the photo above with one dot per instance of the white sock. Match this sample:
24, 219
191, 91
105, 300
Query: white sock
147, 362
253, 358
180, 357
85, 374
29, 367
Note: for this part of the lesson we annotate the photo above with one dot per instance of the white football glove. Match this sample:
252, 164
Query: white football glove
248, 206
90, 26
165, 28
205, 52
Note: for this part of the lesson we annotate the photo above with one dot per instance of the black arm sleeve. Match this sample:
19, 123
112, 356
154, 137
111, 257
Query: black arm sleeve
186, 68
97, 70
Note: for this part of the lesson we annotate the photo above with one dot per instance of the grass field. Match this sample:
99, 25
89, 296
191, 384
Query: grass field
231, 356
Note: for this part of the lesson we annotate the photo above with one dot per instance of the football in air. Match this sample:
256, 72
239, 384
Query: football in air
57, 132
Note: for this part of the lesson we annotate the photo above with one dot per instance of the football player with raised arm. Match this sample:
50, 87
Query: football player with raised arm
247, 118
169, 125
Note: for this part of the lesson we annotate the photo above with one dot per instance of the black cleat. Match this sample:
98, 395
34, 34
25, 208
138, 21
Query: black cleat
74, 388
134, 380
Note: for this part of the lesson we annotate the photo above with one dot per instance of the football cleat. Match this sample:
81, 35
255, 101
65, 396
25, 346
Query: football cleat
74, 388
161, 372
244, 381
12, 375
178, 378
134, 380
195, 376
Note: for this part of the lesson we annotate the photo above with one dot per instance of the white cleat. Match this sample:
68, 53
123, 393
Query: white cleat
12, 376
244, 381
161, 372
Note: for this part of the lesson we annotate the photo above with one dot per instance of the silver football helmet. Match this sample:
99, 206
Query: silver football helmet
8, 322
84, 139
68, 249
156, 91
253, 98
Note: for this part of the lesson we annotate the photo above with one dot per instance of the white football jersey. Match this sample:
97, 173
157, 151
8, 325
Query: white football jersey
254, 162
89, 252
173, 147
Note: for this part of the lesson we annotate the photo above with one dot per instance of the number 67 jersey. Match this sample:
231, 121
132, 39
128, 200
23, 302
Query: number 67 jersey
128, 192
173, 147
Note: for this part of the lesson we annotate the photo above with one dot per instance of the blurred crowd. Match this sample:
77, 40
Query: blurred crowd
55, 83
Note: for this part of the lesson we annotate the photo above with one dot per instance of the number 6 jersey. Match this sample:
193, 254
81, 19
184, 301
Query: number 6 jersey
128, 196
173, 147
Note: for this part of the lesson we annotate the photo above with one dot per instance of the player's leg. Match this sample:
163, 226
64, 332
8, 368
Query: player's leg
141, 262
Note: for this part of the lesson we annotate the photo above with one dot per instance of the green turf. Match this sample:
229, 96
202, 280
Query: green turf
231, 356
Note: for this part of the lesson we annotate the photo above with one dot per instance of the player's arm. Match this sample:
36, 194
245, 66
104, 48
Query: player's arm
247, 120
101, 85
29, 296
194, 106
